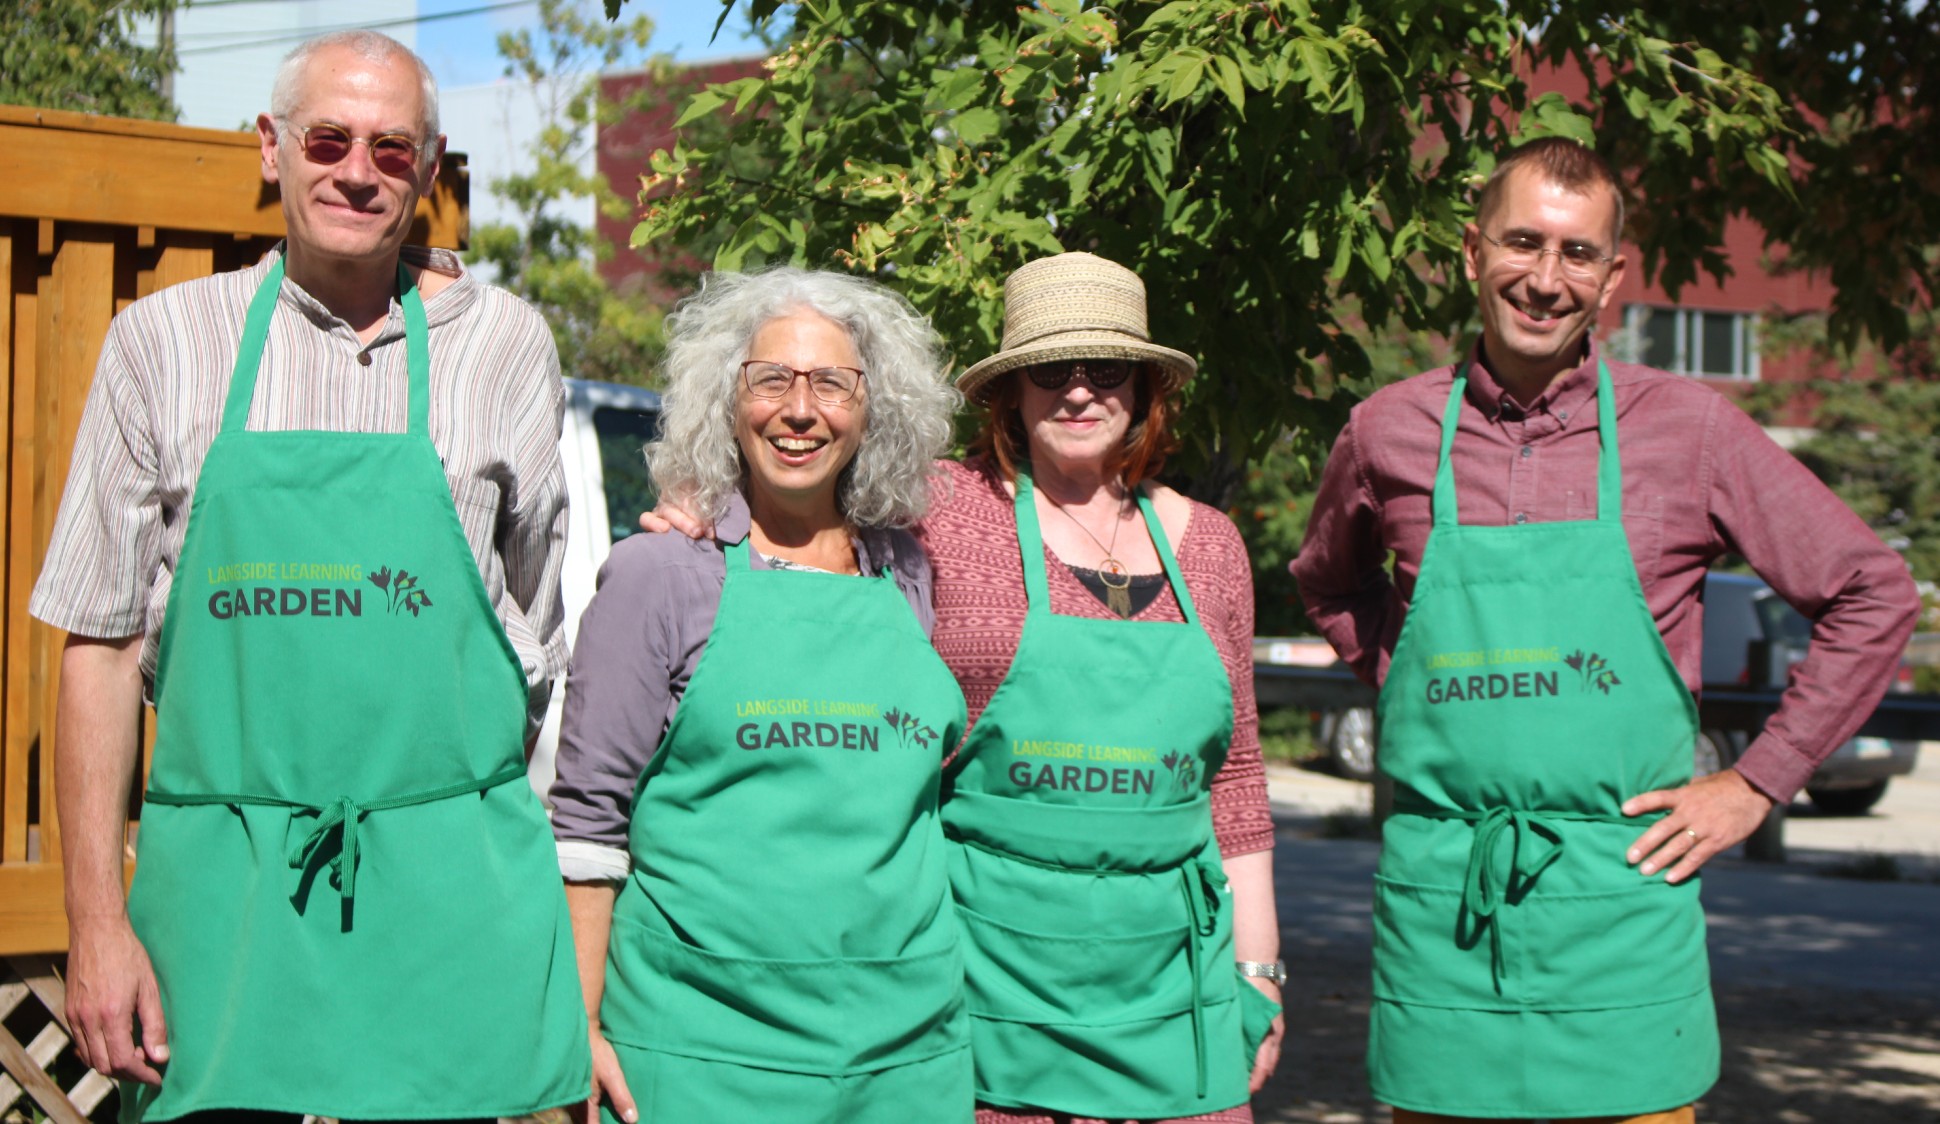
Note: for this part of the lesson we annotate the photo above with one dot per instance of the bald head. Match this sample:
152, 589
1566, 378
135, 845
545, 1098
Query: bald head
288, 92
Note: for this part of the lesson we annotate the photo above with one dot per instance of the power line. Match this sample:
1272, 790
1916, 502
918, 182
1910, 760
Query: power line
300, 36
200, 4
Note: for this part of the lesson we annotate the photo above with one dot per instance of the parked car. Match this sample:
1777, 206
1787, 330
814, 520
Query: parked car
607, 487
1753, 638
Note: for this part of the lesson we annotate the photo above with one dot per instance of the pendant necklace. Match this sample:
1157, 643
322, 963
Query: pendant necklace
1118, 592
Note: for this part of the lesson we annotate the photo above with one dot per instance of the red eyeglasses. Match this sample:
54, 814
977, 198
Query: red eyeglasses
394, 154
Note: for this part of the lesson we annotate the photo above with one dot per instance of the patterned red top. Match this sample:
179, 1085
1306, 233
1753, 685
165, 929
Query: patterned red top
971, 539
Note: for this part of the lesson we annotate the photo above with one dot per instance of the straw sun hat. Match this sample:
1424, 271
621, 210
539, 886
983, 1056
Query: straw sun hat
1074, 306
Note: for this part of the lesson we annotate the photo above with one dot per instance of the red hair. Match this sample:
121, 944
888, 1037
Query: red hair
1148, 440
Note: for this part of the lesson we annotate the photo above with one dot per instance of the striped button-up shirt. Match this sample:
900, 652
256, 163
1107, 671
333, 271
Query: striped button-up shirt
156, 404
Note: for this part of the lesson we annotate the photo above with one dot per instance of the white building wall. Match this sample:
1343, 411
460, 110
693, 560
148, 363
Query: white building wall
495, 126
227, 53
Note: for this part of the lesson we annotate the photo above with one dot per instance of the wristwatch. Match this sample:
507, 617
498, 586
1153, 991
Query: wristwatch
1275, 970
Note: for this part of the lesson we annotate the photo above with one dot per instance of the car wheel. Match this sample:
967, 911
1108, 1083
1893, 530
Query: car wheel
1713, 752
1847, 801
1353, 744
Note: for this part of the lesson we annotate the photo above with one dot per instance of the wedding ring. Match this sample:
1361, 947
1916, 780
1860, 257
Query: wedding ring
1692, 834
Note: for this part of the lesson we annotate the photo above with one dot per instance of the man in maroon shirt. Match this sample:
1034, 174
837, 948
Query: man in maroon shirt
1699, 480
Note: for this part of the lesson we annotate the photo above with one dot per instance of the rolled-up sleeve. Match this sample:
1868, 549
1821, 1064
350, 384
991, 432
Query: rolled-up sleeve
638, 642
107, 542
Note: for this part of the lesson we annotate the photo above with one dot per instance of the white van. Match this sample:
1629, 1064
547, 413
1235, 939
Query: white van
607, 485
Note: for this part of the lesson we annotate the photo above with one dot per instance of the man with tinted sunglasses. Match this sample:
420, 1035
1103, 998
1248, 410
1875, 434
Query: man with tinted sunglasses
316, 512
1539, 944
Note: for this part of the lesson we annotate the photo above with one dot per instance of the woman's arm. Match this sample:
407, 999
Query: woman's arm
1220, 564
591, 907
1256, 937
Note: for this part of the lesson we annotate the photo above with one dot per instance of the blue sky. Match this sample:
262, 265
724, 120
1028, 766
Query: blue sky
463, 52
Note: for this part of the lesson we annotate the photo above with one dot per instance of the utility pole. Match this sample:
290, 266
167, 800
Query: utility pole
165, 42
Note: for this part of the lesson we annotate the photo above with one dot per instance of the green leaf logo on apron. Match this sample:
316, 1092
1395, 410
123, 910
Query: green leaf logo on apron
1521, 967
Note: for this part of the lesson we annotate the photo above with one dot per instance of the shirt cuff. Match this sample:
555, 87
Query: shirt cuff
580, 861
1772, 766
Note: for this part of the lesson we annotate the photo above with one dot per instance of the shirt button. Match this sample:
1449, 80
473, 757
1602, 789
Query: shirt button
1522, 517
363, 358
1527, 451
1563, 415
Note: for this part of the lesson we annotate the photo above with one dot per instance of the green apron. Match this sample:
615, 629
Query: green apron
1521, 967
350, 895
784, 950
1097, 918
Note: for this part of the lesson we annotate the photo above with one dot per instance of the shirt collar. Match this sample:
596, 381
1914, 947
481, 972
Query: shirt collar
439, 308
1565, 398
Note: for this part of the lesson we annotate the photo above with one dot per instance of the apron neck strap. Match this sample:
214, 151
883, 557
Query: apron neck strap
249, 356
1609, 466
1030, 543
737, 556
1172, 572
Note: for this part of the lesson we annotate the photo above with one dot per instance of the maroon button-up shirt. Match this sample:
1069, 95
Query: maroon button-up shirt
1700, 479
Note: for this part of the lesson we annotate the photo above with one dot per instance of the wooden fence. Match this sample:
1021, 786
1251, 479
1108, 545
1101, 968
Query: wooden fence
94, 213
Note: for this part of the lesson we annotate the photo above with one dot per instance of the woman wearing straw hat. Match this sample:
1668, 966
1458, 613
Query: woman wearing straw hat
1112, 846
754, 729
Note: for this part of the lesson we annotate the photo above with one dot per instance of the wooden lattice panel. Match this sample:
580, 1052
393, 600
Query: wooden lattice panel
31, 993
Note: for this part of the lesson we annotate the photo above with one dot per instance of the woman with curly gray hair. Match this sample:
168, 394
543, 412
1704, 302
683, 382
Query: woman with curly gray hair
754, 723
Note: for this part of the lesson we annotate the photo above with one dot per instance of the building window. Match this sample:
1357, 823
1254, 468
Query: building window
1692, 341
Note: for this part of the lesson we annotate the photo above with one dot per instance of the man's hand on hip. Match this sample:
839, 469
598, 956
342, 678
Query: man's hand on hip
113, 1003
1705, 817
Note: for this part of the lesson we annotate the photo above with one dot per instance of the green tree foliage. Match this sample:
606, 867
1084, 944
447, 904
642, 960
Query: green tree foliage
1263, 164
1863, 200
84, 55
546, 257
1275, 493
1876, 429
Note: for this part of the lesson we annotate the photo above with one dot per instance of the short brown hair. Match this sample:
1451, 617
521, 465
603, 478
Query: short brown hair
1567, 163
1148, 441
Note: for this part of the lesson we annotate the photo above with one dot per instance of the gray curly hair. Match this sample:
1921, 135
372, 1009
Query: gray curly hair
907, 404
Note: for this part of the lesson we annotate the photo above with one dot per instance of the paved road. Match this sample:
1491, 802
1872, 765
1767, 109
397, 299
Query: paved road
1790, 924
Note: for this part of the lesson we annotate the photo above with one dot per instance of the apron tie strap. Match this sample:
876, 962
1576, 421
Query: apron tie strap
1535, 843
339, 816
1484, 886
1202, 911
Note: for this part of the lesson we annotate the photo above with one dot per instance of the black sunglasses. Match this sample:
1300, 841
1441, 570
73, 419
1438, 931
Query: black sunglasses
1102, 374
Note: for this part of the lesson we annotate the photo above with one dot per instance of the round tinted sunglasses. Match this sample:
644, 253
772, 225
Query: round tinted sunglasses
394, 154
1102, 374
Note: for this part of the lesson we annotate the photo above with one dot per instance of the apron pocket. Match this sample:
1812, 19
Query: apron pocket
1016, 975
825, 1017
1426, 952
1561, 952
1629, 948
